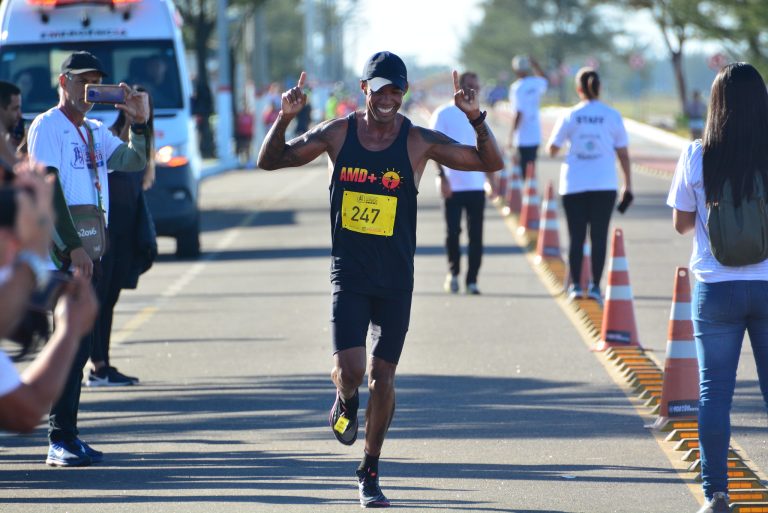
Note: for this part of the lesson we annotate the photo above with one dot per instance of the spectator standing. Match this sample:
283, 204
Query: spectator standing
462, 192
79, 151
696, 111
525, 100
588, 180
10, 116
132, 250
727, 301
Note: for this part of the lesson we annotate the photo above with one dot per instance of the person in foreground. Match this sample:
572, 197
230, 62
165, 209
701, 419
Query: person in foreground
728, 300
378, 159
24, 241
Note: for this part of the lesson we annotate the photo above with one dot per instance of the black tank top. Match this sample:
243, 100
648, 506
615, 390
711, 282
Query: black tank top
373, 215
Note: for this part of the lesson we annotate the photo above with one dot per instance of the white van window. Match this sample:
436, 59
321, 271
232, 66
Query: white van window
35, 70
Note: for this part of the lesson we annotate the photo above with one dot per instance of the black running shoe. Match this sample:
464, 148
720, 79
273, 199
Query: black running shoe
370, 491
343, 421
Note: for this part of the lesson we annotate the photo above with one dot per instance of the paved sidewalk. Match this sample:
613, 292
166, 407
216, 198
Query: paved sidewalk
501, 407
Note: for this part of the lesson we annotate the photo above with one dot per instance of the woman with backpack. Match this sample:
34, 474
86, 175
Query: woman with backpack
718, 180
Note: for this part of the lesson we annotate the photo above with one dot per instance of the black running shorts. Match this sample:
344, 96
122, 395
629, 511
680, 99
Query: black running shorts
387, 315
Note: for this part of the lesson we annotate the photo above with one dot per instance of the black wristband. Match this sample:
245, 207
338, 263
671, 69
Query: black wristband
480, 119
139, 128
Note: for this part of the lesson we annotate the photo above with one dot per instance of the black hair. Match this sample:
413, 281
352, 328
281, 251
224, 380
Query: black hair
736, 134
7, 90
589, 82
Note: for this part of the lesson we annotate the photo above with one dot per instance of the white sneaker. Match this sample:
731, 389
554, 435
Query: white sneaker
575, 292
451, 284
472, 289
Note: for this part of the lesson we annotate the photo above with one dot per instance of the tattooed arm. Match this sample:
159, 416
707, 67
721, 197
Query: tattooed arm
485, 156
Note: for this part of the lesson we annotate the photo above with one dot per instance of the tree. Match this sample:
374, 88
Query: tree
678, 22
551, 29
199, 18
742, 26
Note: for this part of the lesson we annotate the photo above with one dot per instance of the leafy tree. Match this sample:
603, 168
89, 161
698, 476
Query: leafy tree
199, 18
553, 30
678, 21
742, 26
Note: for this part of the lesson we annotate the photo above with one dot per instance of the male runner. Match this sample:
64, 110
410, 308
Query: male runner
378, 158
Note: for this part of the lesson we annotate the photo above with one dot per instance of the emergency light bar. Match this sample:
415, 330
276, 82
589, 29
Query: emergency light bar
65, 3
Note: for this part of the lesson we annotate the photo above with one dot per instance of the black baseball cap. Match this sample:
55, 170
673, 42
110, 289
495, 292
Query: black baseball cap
82, 62
384, 68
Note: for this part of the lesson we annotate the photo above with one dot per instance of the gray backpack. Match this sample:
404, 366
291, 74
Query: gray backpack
738, 236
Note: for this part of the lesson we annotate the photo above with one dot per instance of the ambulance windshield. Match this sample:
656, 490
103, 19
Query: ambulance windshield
35, 70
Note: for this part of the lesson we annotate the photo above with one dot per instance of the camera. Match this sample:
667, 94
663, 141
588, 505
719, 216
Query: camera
34, 329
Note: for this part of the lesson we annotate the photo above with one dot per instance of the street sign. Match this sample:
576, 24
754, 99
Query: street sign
636, 61
717, 61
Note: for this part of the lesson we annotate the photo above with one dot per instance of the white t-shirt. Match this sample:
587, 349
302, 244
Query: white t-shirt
525, 97
53, 141
449, 120
9, 377
687, 194
595, 131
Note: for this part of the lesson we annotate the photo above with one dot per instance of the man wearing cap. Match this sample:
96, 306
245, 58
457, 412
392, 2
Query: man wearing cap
525, 99
70, 144
378, 158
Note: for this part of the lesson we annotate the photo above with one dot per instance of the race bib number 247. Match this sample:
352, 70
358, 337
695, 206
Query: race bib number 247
372, 214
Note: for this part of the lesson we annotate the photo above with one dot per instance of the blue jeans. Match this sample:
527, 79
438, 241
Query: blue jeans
722, 312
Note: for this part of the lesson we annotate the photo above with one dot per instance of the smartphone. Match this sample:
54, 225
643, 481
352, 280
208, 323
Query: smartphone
624, 205
104, 93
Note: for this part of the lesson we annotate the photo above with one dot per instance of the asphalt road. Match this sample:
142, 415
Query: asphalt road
501, 406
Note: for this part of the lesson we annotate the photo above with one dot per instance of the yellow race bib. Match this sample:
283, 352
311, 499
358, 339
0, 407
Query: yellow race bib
373, 214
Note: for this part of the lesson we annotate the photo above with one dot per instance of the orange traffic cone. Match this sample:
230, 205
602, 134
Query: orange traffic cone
618, 327
529, 213
514, 199
680, 389
548, 242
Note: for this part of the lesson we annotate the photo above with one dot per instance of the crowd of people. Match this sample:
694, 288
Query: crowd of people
57, 253
71, 175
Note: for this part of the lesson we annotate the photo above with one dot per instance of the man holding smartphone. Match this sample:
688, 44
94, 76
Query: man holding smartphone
79, 151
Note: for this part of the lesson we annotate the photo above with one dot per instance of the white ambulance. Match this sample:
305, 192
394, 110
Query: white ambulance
139, 42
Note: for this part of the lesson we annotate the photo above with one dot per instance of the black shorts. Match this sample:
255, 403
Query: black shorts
527, 154
388, 316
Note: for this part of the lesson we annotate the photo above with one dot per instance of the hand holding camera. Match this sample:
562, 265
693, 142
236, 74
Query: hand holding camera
135, 104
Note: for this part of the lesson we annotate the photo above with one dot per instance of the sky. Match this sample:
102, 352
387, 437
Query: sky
422, 32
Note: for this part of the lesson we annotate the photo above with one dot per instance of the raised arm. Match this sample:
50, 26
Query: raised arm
484, 156
275, 152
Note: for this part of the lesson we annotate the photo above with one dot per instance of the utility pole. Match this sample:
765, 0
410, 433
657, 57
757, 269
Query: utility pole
224, 88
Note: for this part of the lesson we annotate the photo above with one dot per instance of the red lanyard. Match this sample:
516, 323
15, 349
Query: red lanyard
91, 150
